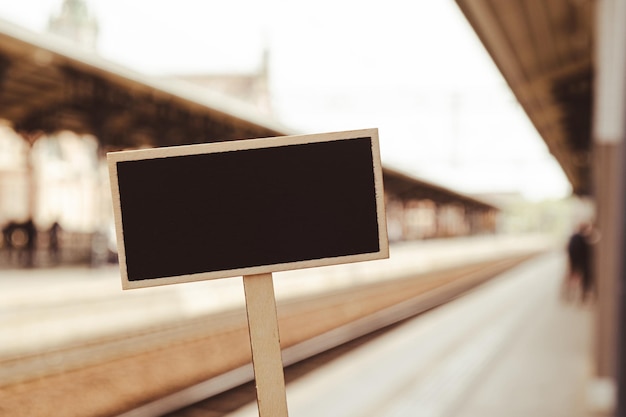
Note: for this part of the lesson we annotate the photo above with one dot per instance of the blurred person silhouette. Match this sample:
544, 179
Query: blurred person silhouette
53, 242
7, 245
579, 278
31, 245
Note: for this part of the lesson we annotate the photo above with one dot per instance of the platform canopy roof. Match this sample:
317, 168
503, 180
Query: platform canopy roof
49, 84
544, 51
406, 187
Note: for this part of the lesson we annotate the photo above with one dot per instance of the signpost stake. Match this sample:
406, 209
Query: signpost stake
313, 189
265, 344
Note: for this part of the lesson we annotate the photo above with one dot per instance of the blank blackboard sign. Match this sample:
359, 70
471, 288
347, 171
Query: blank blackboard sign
188, 213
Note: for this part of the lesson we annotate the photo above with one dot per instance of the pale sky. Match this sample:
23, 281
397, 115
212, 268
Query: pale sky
412, 68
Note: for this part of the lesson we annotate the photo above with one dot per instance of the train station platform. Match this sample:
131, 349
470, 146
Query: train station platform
510, 347
513, 347
49, 308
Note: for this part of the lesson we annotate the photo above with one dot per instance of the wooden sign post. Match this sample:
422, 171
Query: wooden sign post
265, 343
249, 208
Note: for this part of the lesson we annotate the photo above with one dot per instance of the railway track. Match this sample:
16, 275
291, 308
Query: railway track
171, 367
224, 403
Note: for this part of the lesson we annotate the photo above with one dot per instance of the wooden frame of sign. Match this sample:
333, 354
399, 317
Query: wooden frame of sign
249, 207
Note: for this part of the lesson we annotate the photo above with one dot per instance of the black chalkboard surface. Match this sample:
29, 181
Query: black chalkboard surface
233, 208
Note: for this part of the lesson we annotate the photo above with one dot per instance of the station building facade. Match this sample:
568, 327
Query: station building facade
54, 170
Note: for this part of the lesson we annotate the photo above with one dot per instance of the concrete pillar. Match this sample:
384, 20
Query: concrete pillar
608, 137
607, 254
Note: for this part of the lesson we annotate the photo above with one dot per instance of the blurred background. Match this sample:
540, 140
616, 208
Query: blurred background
500, 132
445, 113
